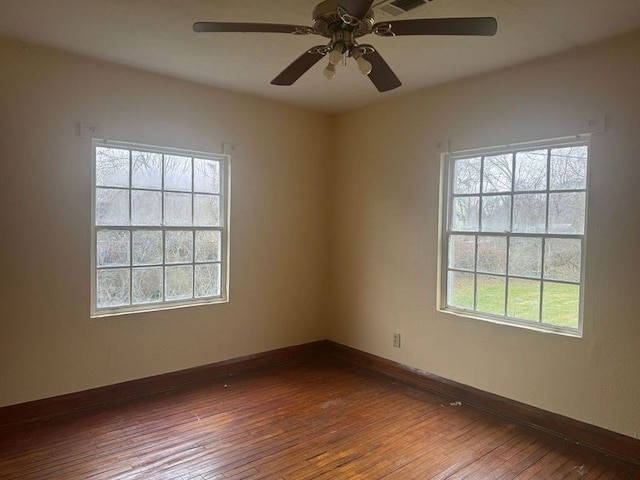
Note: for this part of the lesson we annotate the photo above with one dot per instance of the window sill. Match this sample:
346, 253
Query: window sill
155, 308
537, 327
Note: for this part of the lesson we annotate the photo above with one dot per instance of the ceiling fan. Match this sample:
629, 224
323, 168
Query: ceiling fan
343, 22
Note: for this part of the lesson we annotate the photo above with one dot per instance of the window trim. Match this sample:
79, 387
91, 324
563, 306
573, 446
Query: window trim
445, 197
225, 205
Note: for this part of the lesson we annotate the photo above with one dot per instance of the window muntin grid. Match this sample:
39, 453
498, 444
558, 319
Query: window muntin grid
513, 243
160, 228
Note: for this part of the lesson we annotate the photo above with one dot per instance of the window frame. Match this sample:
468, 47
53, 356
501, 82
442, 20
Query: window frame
444, 232
225, 205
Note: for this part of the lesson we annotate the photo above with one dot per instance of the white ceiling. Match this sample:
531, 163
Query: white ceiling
156, 35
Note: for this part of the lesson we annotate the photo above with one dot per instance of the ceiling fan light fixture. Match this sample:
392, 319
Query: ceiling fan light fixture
364, 65
335, 57
330, 71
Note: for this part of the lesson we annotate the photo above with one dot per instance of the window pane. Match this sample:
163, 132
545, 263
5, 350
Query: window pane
496, 213
562, 258
147, 247
112, 287
513, 258
466, 175
490, 292
112, 206
146, 207
525, 257
464, 216
177, 209
524, 299
112, 248
179, 282
566, 213
206, 210
112, 167
207, 280
206, 177
147, 285
147, 170
561, 304
529, 213
531, 171
460, 290
462, 249
569, 168
497, 174
177, 173
208, 246
178, 246
492, 255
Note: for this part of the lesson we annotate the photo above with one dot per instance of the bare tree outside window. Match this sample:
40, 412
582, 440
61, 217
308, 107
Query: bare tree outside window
159, 228
514, 235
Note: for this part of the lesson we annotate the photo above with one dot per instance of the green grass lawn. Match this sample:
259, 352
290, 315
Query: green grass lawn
560, 302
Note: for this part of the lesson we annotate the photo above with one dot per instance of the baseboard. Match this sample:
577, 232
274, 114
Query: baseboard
121, 392
605, 441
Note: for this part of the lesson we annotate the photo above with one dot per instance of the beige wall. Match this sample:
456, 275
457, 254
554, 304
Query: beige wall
385, 232
48, 344
369, 205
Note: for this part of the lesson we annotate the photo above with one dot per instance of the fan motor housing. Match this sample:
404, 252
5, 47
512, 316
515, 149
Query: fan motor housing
327, 21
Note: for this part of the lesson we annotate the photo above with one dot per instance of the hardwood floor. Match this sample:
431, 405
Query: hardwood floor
320, 419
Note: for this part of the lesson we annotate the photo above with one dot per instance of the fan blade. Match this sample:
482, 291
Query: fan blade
356, 8
486, 26
381, 74
250, 27
299, 66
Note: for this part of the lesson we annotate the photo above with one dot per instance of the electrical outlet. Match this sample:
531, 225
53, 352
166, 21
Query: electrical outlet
396, 340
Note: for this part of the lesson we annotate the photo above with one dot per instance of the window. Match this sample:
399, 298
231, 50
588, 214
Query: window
514, 234
160, 228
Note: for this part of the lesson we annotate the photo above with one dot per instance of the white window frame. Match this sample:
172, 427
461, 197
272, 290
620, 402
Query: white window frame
224, 194
446, 196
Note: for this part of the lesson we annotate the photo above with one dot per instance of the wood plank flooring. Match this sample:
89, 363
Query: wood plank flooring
320, 419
